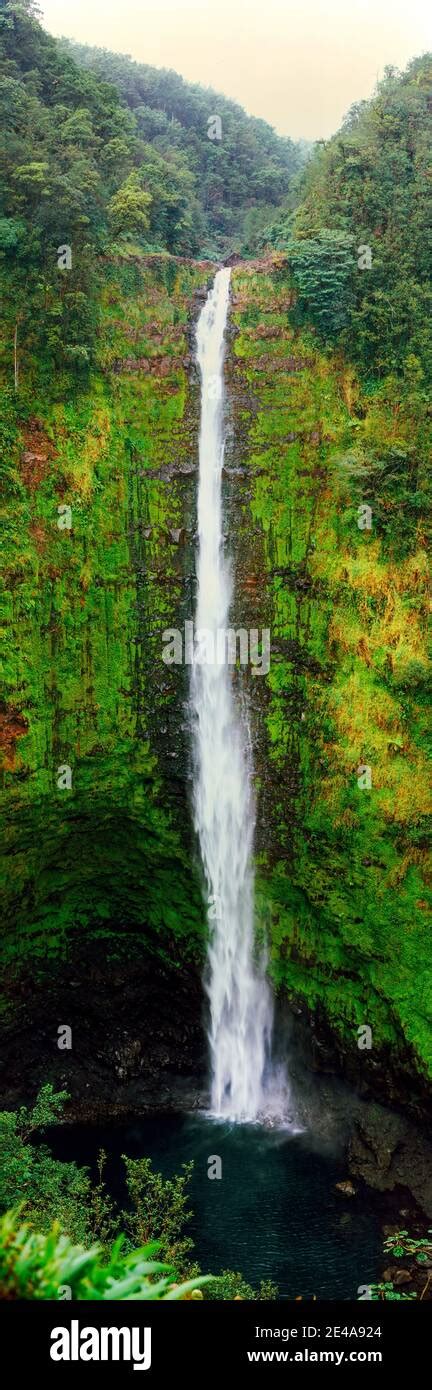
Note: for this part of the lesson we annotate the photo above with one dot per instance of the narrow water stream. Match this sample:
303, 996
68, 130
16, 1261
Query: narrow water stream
243, 1086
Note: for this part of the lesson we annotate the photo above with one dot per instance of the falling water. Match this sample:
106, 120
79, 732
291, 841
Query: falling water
239, 996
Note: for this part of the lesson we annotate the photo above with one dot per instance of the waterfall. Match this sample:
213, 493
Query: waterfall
239, 996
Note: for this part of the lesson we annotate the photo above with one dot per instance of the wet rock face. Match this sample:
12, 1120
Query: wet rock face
87, 688
344, 914
137, 1039
316, 1050
340, 894
389, 1153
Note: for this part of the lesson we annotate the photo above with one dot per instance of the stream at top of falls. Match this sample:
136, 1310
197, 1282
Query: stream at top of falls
245, 1086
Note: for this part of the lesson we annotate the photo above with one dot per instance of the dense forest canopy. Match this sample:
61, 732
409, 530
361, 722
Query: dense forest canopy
360, 237
109, 157
103, 157
99, 150
108, 151
242, 169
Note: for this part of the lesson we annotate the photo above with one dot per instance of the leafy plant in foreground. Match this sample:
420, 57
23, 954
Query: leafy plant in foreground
387, 1291
34, 1265
402, 1244
70, 1225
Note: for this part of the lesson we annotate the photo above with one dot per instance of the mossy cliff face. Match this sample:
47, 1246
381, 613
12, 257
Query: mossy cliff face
341, 866
109, 859
104, 926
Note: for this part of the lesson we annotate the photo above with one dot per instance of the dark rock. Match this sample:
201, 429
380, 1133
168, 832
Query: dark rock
138, 1041
392, 1076
390, 1152
396, 1275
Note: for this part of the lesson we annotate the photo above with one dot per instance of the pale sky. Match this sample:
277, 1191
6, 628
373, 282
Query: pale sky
300, 64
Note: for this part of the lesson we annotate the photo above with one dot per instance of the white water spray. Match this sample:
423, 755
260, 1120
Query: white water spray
241, 1011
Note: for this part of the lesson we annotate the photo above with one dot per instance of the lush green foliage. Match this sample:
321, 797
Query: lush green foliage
30, 1176
104, 418
236, 180
99, 153
367, 187
76, 174
231, 1285
92, 450
416, 1252
60, 1228
39, 1266
343, 873
159, 1209
323, 270
386, 1290
401, 1244
46, 1189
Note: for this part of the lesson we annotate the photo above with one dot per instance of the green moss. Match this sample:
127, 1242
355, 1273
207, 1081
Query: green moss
342, 871
84, 613
341, 885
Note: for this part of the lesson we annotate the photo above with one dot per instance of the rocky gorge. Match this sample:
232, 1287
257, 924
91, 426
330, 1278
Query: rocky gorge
104, 924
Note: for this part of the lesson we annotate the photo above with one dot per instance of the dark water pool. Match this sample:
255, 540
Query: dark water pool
273, 1214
